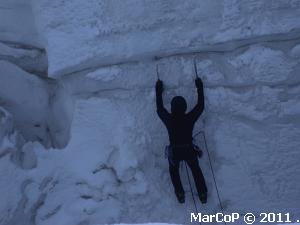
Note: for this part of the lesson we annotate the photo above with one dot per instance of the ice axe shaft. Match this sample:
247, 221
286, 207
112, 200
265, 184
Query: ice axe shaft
195, 68
157, 73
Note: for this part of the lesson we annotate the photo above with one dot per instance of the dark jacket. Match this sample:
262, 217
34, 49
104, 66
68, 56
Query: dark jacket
180, 126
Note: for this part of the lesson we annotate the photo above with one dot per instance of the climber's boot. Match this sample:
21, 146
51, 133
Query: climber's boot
203, 197
180, 197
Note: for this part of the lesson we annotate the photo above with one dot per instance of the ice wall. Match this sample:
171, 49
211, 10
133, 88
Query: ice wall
42, 108
112, 167
108, 32
18, 24
25, 90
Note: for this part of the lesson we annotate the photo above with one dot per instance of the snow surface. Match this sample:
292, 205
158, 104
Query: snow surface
88, 148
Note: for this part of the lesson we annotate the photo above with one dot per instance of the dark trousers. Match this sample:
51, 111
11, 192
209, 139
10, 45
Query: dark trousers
196, 171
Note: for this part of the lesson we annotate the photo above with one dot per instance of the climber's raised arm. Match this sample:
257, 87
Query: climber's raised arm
199, 107
161, 110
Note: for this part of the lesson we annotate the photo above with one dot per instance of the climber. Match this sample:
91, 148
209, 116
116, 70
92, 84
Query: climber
180, 128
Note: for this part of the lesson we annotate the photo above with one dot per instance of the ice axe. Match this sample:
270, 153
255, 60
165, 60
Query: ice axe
157, 73
195, 68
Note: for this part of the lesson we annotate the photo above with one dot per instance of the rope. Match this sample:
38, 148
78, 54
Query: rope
211, 167
188, 176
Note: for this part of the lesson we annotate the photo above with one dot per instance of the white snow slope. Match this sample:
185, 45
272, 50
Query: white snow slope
80, 142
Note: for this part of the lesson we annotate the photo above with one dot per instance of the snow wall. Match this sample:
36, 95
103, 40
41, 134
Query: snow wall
80, 139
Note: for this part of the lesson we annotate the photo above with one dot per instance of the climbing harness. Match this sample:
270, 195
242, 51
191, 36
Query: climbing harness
169, 154
197, 150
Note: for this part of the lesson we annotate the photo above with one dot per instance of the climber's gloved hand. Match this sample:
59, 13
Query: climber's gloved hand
159, 86
198, 83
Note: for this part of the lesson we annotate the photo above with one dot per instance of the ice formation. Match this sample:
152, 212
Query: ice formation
80, 141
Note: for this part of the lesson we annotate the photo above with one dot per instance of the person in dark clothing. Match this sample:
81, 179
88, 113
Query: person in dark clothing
180, 129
